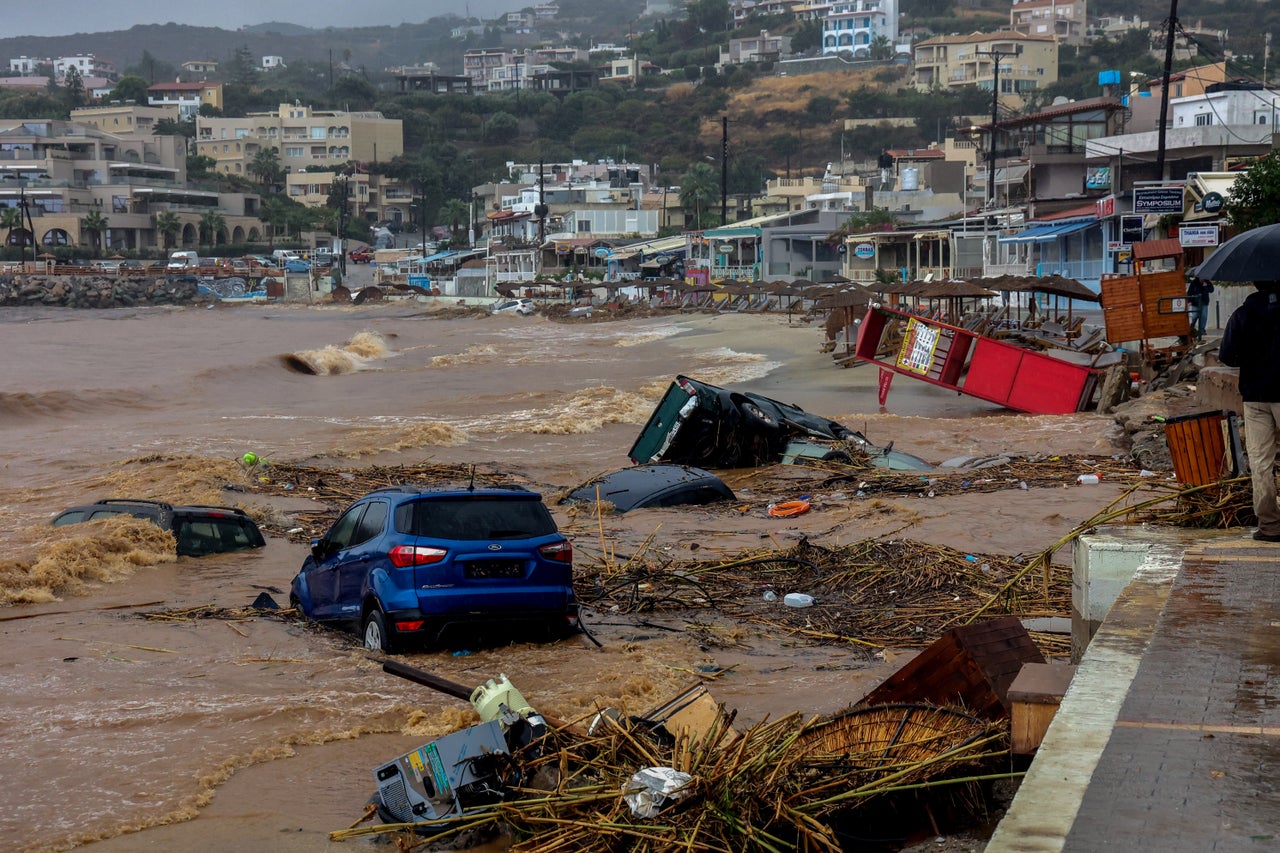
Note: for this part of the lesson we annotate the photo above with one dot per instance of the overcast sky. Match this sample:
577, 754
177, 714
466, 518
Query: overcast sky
22, 18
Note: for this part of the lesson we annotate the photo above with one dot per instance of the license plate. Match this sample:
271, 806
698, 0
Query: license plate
495, 569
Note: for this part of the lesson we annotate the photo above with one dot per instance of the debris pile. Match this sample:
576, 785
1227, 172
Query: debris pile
663, 781
873, 593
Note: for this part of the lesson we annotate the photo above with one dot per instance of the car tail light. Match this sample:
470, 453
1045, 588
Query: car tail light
403, 556
561, 552
415, 625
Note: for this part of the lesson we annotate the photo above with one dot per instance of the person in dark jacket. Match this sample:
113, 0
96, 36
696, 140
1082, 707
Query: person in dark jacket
1251, 342
1198, 291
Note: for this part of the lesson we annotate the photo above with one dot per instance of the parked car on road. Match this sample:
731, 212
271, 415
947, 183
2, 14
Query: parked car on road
297, 265
198, 530
523, 306
363, 255
696, 423
405, 563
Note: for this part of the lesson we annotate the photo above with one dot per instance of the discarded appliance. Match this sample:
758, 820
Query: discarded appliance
444, 778
696, 423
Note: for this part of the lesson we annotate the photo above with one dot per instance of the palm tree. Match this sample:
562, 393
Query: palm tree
95, 225
453, 212
169, 225
271, 214
10, 221
698, 188
211, 223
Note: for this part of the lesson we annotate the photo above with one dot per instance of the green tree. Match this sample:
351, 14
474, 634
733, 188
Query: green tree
200, 167
240, 69
130, 88
265, 166
10, 221
211, 223
501, 127
881, 48
453, 213
94, 224
1254, 197
73, 86
699, 189
272, 214
168, 225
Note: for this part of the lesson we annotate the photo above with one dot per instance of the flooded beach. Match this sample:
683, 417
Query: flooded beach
136, 733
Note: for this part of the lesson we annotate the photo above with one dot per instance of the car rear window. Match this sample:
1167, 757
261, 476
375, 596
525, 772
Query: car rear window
475, 518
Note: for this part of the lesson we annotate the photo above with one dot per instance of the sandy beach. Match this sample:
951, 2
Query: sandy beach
261, 734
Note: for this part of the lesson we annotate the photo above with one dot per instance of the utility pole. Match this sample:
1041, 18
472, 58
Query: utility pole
724, 171
996, 56
1172, 27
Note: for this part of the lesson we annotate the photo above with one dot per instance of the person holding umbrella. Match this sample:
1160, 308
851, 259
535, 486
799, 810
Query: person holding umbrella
1251, 342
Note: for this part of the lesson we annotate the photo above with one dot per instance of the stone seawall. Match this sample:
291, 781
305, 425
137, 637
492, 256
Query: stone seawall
76, 291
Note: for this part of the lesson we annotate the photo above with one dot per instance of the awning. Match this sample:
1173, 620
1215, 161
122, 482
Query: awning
1152, 249
1048, 231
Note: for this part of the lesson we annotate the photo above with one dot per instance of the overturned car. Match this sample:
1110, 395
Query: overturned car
696, 423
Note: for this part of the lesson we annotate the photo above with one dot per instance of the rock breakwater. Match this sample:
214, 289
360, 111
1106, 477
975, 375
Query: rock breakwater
87, 291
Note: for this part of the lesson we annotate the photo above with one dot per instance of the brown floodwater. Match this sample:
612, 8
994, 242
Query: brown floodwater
205, 734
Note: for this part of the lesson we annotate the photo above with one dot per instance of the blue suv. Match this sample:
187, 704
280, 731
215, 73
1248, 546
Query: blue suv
409, 563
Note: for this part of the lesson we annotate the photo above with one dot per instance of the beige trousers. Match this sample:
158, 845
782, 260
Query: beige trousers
1261, 424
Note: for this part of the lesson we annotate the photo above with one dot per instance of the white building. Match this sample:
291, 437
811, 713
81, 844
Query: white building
1230, 107
853, 25
269, 62
87, 65
25, 64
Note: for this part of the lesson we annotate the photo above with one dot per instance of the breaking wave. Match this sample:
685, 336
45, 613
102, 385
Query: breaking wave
587, 411
354, 355
728, 366
646, 336
20, 405
366, 441
77, 555
476, 354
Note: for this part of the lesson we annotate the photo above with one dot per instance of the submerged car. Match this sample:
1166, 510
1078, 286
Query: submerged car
696, 423
198, 530
407, 563
652, 486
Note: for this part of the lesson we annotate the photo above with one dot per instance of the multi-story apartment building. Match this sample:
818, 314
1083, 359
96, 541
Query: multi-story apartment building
187, 97
124, 118
66, 170
1065, 19
853, 25
761, 48
497, 70
87, 65
372, 198
1026, 63
26, 65
303, 138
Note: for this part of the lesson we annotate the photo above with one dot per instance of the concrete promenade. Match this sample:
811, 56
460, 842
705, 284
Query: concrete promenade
1169, 737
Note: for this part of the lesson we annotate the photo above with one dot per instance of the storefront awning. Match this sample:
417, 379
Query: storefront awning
1047, 231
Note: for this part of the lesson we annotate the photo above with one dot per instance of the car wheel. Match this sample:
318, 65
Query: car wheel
374, 633
837, 456
757, 416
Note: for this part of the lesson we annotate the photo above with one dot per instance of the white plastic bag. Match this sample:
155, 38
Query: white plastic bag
654, 788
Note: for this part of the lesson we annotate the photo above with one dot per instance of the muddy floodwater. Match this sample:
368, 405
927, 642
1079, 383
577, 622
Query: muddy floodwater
132, 733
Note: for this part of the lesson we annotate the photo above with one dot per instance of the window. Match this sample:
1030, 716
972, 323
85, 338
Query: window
294, 151
1204, 119
318, 133
371, 525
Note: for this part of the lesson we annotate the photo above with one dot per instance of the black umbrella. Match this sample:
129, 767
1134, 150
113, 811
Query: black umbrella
1251, 256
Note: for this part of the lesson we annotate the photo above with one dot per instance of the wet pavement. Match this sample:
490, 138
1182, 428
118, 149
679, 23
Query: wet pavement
1169, 737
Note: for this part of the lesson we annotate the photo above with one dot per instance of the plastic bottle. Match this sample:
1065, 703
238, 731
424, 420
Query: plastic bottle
797, 599
1088, 479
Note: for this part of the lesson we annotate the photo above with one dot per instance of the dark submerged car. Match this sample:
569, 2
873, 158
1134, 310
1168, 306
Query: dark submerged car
696, 423
198, 530
652, 486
